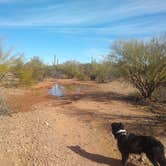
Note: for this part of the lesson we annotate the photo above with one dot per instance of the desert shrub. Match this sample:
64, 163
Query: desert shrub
95, 71
89, 69
26, 77
7, 59
160, 94
51, 71
37, 68
81, 76
104, 70
141, 63
72, 69
30, 72
4, 109
101, 72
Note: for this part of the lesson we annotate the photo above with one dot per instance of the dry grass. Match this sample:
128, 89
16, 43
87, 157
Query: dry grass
4, 108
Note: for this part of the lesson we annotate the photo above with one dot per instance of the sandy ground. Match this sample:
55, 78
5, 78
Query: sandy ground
73, 130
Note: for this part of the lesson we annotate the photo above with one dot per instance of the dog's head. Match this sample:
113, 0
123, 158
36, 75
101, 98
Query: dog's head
116, 127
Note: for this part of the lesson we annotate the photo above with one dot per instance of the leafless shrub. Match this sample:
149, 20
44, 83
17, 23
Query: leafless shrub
4, 109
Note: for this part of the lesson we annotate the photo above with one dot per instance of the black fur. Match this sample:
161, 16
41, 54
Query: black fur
131, 143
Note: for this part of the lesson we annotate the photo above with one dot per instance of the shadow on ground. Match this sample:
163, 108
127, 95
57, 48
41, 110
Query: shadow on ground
100, 96
96, 157
147, 125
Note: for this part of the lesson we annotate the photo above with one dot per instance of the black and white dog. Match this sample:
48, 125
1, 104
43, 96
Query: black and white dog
131, 143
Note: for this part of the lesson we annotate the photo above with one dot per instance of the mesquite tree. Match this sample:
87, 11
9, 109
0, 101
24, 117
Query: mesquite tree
7, 59
142, 63
4, 61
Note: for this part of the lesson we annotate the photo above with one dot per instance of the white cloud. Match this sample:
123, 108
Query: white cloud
83, 12
89, 17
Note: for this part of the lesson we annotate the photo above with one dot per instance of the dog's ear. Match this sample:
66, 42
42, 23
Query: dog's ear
113, 124
121, 125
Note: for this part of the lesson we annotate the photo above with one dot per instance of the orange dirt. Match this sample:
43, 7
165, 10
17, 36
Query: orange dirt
75, 129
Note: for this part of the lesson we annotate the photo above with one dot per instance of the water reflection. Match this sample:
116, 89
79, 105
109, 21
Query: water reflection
61, 90
57, 90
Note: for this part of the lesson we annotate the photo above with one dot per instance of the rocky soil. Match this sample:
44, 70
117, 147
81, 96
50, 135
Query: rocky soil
73, 130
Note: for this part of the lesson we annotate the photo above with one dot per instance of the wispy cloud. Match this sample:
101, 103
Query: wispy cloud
79, 17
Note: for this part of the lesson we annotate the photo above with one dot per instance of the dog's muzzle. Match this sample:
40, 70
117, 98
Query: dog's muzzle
122, 132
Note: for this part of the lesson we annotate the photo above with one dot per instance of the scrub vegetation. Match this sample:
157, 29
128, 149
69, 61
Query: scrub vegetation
142, 63
74, 129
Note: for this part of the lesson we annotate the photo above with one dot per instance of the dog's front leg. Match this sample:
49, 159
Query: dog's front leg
151, 158
125, 157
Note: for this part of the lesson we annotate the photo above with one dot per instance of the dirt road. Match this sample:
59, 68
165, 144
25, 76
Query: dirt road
73, 130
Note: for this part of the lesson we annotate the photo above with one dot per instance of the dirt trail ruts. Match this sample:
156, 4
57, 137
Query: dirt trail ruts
72, 130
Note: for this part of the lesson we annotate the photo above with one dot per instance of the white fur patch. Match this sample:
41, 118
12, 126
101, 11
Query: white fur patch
121, 132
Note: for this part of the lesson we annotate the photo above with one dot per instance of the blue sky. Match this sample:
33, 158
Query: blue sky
77, 29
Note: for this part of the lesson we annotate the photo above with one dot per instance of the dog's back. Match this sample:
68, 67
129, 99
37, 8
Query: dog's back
145, 142
131, 143
138, 144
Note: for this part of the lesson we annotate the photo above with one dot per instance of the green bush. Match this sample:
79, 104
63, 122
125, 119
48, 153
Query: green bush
30, 72
104, 72
160, 94
81, 76
142, 63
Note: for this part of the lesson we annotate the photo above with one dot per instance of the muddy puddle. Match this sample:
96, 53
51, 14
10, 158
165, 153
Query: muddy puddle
62, 90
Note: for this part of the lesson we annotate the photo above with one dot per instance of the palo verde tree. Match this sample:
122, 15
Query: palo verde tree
7, 59
142, 63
